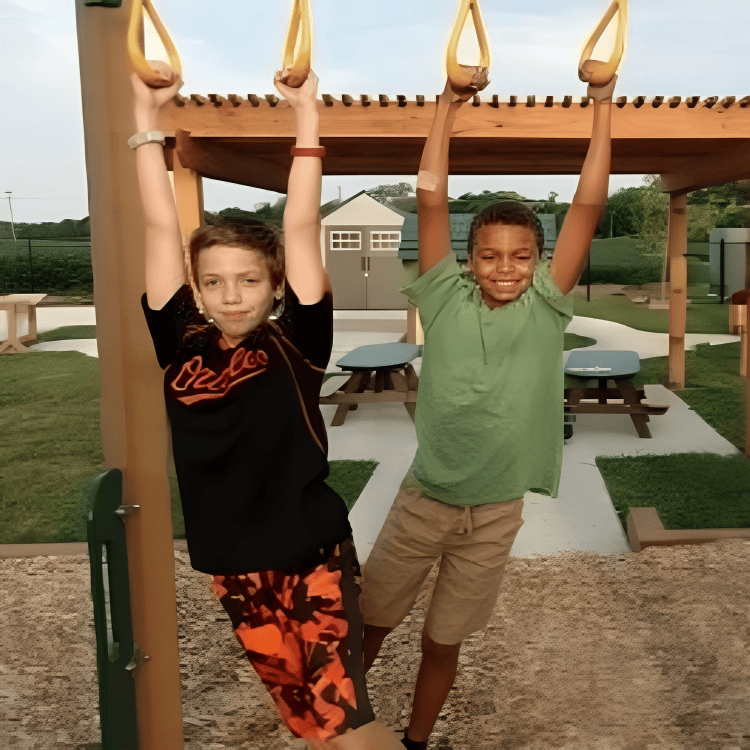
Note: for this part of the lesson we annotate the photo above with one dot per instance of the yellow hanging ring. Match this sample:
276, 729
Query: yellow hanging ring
595, 72
146, 72
299, 38
466, 77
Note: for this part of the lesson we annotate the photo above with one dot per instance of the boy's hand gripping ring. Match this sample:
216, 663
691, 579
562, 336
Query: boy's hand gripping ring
465, 78
148, 74
595, 72
296, 68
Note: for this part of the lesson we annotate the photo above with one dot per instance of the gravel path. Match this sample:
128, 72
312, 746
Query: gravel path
647, 651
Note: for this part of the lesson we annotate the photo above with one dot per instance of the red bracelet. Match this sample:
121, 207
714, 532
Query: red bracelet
320, 151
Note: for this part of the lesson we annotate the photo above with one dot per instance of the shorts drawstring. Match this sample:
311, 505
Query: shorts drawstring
466, 527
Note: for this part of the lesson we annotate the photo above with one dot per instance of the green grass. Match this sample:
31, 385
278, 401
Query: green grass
574, 341
51, 444
688, 490
617, 251
713, 387
68, 332
619, 309
51, 447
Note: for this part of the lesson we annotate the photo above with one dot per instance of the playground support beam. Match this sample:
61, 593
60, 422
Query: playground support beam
676, 248
188, 191
134, 428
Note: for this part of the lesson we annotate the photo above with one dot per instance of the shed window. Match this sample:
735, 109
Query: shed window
346, 240
385, 240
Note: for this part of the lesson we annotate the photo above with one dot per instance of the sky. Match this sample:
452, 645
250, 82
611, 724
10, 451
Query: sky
675, 48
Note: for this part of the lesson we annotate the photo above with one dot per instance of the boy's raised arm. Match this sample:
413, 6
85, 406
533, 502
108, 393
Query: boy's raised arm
434, 232
304, 263
165, 266
589, 201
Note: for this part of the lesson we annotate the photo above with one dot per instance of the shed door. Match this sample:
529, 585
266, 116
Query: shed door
346, 261
385, 272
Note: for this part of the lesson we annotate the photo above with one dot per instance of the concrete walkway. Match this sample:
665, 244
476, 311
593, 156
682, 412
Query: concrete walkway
581, 518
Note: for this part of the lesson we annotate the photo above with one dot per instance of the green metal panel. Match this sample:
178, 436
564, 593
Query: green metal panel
111, 597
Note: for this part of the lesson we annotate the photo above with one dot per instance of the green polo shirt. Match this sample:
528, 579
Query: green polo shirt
489, 415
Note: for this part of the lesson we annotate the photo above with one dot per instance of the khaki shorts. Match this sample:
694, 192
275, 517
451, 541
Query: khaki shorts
473, 545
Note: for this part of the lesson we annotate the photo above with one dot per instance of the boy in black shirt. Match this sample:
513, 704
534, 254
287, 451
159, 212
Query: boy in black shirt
249, 441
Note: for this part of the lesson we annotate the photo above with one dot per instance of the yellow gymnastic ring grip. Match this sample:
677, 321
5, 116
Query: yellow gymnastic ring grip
463, 77
595, 72
149, 75
297, 68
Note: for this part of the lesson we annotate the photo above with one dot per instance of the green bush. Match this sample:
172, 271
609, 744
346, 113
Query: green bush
54, 272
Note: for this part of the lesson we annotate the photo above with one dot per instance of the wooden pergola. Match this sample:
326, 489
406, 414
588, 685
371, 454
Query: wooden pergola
692, 143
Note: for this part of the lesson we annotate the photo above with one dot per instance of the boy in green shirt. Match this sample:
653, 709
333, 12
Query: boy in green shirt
489, 415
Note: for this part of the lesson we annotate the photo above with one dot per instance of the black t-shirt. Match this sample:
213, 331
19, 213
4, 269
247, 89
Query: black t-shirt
251, 462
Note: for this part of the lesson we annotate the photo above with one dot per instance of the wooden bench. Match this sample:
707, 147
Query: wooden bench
381, 373
14, 304
620, 366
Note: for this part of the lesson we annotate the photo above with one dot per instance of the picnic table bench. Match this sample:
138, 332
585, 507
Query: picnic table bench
603, 366
14, 304
381, 373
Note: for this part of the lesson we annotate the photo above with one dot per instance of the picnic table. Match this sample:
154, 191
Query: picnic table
13, 304
602, 366
381, 373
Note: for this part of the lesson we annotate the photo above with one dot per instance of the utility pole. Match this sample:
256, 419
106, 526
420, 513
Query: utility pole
12, 227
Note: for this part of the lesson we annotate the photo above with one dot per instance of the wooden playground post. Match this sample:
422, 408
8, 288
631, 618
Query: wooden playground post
676, 248
134, 428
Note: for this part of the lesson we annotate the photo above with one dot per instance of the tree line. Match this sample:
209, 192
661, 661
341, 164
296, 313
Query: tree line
634, 211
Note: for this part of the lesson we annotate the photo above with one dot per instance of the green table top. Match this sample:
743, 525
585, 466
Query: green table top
379, 356
611, 364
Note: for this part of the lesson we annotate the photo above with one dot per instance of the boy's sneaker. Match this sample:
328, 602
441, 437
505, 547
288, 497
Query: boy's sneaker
412, 744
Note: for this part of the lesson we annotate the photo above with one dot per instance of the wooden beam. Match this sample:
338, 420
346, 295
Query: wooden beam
674, 101
133, 417
235, 99
699, 172
676, 249
216, 99
219, 162
327, 100
347, 100
188, 192
199, 100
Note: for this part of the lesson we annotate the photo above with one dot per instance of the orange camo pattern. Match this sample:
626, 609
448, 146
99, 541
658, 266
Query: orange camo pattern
293, 629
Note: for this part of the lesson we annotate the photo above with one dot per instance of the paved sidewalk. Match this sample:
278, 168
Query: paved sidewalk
582, 517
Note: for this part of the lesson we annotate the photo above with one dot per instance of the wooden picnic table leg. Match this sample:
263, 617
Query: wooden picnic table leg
356, 384
630, 396
12, 343
602, 390
411, 378
379, 381
32, 323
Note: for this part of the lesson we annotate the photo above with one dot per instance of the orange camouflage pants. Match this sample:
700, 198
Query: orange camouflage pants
302, 631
